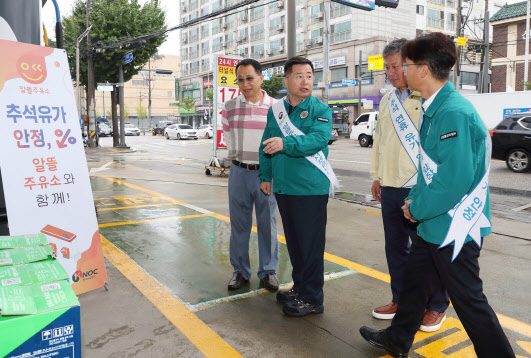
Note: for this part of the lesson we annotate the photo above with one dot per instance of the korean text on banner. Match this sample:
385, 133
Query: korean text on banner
226, 89
44, 169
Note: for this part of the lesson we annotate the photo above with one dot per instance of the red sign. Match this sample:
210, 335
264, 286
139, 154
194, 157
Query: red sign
207, 84
221, 139
230, 62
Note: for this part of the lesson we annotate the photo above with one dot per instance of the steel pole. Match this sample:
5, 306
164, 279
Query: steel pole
77, 68
149, 93
526, 62
359, 85
485, 74
122, 107
326, 51
291, 29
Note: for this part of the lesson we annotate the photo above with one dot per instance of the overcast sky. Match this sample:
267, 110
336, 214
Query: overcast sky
169, 47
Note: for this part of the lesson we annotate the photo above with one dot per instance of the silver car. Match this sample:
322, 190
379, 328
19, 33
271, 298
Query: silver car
180, 131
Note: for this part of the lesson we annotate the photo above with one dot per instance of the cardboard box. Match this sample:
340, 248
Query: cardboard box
40, 321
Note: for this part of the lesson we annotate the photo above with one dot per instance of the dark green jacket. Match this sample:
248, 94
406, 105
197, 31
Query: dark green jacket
291, 172
460, 158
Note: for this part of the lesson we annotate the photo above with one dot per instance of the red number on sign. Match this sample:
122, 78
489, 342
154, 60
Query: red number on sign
223, 95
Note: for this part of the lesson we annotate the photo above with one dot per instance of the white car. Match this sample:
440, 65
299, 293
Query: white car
105, 130
180, 131
205, 131
131, 129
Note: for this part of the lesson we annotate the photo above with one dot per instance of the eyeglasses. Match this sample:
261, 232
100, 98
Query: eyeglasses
248, 79
299, 78
404, 66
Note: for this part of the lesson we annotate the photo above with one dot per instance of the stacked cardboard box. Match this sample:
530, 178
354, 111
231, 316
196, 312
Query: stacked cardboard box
39, 311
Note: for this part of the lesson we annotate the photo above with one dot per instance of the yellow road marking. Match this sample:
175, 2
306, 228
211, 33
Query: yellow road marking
154, 220
373, 212
132, 186
201, 336
134, 207
507, 322
526, 346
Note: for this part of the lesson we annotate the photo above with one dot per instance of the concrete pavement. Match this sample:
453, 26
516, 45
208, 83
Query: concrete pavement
166, 243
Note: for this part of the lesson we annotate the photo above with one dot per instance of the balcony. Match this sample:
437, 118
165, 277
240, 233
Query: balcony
194, 38
258, 35
434, 22
217, 47
205, 51
194, 54
194, 70
340, 36
257, 55
255, 15
229, 43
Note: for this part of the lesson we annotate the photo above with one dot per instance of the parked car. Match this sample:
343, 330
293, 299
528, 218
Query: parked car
363, 128
333, 137
131, 129
180, 131
511, 141
105, 130
205, 131
160, 127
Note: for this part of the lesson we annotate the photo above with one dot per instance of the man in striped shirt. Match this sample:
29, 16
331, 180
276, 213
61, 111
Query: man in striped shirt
244, 119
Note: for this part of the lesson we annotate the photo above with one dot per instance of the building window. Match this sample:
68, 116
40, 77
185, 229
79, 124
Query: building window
365, 74
298, 19
142, 83
317, 37
339, 10
435, 18
216, 26
229, 39
450, 22
469, 78
438, 2
420, 9
276, 26
276, 6
257, 32
258, 11
450, 4
205, 31
340, 32
217, 44
205, 48
277, 47
317, 13
257, 52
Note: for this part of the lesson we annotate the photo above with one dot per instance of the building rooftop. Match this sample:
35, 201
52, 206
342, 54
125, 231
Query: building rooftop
510, 11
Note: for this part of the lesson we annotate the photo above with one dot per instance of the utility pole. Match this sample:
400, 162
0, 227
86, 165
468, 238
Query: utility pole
291, 30
458, 33
326, 48
90, 83
122, 106
149, 93
359, 86
485, 63
526, 61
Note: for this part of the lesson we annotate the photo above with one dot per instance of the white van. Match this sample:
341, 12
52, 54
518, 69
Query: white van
363, 128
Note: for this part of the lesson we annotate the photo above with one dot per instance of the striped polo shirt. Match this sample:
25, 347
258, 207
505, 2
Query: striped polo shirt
243, 126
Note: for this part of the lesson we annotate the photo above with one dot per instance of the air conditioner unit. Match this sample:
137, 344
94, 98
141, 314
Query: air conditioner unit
224, 26
242, 38
280, 49
185, 9
185, 40
260, 53
319, 15
280, 27
269, 52
308, 43
243, 18
319, 40
224, 45
280, 4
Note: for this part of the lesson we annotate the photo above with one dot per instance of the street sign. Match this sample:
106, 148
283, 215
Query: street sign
461, 41
266, 75
367, 5
105, 88
349, 82
128, 58
376, 63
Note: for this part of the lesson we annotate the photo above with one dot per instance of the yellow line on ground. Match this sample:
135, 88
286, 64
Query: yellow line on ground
507, 322
201, 336
132, 186
154, 220
373, 212
134, 207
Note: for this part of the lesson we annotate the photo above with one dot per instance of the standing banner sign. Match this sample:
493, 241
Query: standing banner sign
225, 88
44, 169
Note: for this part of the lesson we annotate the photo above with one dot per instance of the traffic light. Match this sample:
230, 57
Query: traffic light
387, 3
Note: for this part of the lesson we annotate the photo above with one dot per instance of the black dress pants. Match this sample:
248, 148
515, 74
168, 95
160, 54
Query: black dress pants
428, 267
304, 222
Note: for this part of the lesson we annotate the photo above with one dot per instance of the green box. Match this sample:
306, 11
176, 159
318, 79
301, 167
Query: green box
24, 255
37, 272
12, 242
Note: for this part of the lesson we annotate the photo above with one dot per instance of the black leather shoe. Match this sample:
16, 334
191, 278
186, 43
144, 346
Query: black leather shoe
270, 282
237, 281
380, 340
287, 296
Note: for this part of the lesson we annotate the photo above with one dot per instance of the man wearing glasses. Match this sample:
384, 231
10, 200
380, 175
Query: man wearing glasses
293, 154
394, 165
451, 203
244, 119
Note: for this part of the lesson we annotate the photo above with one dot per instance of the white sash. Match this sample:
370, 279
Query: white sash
407, 133
318, 159
467, 216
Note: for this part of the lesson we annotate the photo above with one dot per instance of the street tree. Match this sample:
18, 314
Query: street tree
114, 23
275, 84
188, 103
141, 111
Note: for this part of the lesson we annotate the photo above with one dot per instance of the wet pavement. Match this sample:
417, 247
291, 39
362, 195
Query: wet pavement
165, 232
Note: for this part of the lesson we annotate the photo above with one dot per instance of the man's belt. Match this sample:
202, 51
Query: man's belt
246, 166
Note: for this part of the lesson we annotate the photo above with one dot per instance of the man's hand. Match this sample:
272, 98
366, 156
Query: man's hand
273, 145
407, 213
265, 187
376, 190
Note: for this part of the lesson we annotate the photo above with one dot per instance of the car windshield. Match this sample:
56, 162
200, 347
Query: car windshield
185, 126
127, 125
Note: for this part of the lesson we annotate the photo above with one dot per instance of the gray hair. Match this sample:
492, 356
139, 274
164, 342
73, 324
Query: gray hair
393, 47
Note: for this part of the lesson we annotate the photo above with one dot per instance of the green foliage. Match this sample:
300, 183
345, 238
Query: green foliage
141, 111
188, 103
275, 84
113, 20
209, 93
527, 85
